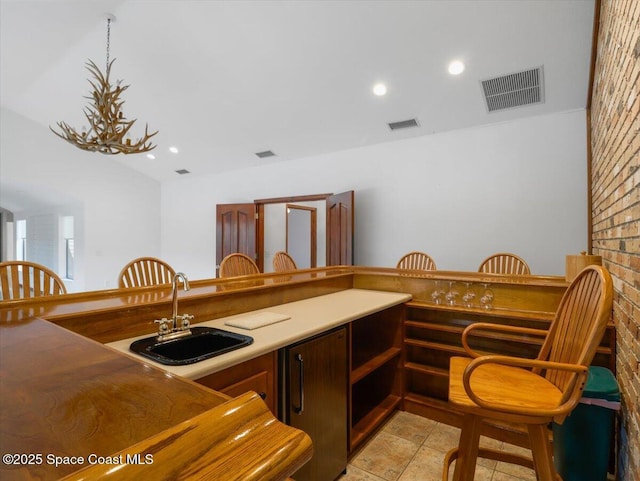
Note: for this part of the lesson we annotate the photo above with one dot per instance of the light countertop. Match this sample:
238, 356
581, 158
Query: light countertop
308, 317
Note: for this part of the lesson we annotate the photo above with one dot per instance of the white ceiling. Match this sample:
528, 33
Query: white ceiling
223, 80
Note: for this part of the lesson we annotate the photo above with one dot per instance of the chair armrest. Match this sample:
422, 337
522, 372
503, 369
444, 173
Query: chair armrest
495, 327
531, 409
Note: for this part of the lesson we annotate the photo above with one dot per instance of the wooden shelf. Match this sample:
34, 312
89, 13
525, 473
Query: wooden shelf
436, 346
429, 370
373, 419
374, 363
376, 373
429, 401
494, 335
431, 326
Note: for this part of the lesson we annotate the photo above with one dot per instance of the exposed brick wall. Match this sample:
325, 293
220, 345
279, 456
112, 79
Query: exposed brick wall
615, 142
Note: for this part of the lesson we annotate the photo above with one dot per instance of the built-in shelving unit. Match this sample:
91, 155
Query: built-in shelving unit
375, 371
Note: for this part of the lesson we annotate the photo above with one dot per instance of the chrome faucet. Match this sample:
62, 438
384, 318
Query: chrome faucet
164, 331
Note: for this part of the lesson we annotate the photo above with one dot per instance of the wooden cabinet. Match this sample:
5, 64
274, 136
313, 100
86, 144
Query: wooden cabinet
257, 375
375, 371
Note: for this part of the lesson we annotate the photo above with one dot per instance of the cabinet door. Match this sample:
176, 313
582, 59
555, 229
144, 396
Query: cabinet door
317, 402
254, 375
258, 383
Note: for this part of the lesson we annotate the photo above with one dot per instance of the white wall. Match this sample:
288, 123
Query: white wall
116, 209
517, 186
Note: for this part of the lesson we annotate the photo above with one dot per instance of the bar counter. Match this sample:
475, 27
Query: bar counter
71, 406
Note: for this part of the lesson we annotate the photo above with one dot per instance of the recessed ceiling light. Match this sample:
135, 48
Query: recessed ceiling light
380, 89
456, 67
173, 150
151, 156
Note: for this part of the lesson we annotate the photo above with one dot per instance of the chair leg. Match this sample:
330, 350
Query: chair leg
542, 452
468, 449
449, 458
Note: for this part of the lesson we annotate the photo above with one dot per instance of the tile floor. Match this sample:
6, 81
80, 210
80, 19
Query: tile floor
412, 448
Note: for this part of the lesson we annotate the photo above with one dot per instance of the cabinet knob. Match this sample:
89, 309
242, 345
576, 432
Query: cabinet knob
263, 395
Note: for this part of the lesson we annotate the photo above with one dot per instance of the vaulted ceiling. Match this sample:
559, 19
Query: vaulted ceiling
224, 80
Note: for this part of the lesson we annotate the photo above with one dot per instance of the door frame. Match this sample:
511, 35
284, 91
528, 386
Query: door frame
313, 231
260, 203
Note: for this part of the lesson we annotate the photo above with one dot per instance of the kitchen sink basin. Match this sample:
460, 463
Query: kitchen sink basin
203, 343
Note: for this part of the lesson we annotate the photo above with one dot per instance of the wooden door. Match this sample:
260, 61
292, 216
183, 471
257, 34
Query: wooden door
235, 230
340, 222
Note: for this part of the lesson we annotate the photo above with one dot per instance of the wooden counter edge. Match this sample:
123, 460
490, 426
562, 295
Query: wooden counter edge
239, 440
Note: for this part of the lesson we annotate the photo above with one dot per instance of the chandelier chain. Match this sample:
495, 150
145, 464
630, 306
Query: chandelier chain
108, 39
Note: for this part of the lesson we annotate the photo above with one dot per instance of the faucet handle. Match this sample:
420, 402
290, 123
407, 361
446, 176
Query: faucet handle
163, 328
185, 320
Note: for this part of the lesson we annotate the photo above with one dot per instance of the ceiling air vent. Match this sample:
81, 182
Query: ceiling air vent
514, 90
266, 153
182, 171
403, 124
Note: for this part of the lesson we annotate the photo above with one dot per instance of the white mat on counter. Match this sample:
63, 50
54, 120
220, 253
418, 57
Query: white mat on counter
258, 319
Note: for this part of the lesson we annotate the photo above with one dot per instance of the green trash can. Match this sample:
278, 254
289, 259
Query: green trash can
582, 444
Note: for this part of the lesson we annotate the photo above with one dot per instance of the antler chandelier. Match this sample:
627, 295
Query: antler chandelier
108, 131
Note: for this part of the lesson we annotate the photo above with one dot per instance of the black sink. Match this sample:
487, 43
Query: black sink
203, 343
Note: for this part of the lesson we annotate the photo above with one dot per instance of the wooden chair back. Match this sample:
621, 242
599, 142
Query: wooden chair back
24, 280
505, 263
578, 326
237, 265
283, 262
416, 261
146, 271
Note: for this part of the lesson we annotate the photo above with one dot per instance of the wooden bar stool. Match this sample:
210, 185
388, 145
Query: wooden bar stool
505, 263
529, 392
416, 261
145, 271
238, 265
23, 280
283, 262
